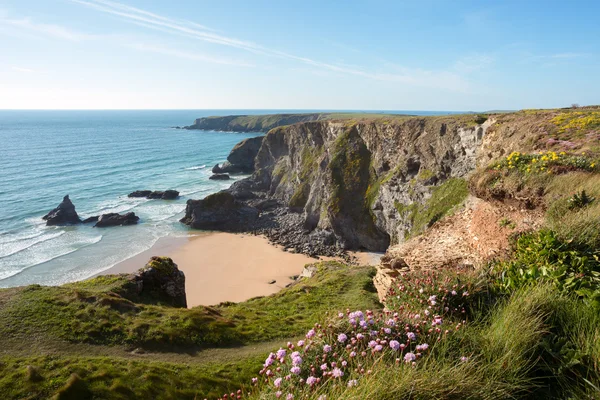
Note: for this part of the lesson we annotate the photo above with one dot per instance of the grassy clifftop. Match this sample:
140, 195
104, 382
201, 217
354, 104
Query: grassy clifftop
83, 340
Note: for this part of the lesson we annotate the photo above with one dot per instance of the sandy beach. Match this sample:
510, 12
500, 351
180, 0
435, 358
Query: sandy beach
224, 266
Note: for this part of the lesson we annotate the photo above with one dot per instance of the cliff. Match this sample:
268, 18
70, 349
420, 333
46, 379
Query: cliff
368, 182
252, 123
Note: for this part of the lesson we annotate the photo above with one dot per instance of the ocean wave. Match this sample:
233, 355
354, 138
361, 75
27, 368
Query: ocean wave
84, 243
196, 167
16, 246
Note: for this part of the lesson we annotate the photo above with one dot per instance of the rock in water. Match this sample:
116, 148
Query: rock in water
64, 214
170, 195
140, 193
91, 219
114, 219
219, 177
166, 195
161, 282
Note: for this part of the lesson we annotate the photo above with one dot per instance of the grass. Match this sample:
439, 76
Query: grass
71, 377
62, 318
91, 312
443, 199
295, 310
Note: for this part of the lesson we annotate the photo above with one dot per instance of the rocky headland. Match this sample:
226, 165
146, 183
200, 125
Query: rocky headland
325, 187
253, 123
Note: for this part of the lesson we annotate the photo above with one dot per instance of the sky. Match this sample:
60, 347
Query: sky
289, 54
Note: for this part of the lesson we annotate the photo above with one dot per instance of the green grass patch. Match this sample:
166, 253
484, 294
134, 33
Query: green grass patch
70, 377
295, 310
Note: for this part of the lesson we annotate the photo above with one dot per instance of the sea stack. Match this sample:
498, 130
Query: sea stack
64, 214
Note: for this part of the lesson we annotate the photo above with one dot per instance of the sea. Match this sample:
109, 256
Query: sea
98, 158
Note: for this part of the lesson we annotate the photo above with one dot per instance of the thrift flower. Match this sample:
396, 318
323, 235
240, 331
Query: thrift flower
342, 337
277, 382
327, 348
395, 345
408, 357
337, 373
411, 336
311, 381
310, 334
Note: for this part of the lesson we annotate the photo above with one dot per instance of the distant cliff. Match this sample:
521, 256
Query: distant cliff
253, 123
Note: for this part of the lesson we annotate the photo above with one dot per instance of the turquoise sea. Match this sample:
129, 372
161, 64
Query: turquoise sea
98, 157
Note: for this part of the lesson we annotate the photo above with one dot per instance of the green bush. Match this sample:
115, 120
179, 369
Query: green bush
543, 256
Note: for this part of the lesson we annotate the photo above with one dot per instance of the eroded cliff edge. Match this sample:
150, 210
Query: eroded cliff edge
326, 186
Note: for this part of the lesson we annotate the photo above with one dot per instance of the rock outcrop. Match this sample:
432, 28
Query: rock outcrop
160, 281
149, 194
220, 211
64, 214
241, 158
219, 177
114, 219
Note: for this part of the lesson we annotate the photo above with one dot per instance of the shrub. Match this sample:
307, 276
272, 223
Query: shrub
542, 256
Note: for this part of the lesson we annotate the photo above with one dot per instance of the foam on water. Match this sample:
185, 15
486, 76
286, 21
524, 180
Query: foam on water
97, 158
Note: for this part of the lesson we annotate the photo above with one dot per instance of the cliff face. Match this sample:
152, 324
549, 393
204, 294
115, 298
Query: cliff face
368, 182
252, 123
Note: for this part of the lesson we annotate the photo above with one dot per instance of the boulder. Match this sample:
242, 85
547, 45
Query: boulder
219, 177
114, 219
166, 195
219, 211
90, 219
217, 169
161, 282
64, 214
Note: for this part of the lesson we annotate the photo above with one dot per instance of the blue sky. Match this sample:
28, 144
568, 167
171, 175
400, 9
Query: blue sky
376, 55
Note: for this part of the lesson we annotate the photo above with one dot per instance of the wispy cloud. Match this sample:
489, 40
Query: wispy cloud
185, 54
57, 31
568, 55
443, 79
21, 69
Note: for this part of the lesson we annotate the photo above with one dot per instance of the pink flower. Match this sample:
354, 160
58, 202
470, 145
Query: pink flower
311, 381
300, 343
408, 357
395, 345
372, 344
464, 359
278, 394
295, 370
352, 382
337, 373
289, 397
342, 337
411, 336
327, 348
378, 348
422, 347
310, 334
277, 382
281, 353
324, 367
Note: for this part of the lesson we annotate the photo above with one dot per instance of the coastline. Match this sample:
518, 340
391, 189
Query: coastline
221, 266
